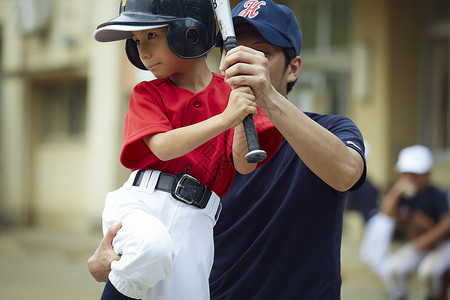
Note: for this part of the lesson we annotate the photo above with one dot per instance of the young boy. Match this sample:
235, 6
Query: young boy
178, 143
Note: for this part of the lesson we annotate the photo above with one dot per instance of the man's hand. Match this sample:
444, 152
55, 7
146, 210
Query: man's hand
99, 264
243, 66
390, 202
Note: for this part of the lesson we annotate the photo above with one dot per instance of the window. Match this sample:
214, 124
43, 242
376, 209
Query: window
435, 107
437, 10
340, 24
325, 24
309, 24
1, 100
62, 110
436, 104
323, 83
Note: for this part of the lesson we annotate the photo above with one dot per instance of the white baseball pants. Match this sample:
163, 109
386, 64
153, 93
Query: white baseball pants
166, 246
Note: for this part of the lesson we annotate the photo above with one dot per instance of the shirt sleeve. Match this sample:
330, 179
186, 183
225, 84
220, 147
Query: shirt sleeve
347, 131
145, 116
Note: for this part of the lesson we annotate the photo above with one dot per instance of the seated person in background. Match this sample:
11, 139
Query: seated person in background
423, 210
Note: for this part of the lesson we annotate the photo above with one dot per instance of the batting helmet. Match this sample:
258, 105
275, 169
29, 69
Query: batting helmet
191, 32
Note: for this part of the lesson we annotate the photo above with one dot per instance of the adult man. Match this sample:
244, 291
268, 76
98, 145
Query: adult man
423, 211
279, 233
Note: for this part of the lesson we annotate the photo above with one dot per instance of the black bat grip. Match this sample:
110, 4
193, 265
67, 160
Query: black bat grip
229, 43
255, 154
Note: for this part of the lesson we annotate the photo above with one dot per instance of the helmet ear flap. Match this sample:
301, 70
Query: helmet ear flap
133, 54
189, 38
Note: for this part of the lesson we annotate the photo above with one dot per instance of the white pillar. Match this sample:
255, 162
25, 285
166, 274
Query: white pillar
104, 118
14, 195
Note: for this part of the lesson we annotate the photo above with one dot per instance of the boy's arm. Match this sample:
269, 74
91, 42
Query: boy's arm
180, 141
240, 149
240, 145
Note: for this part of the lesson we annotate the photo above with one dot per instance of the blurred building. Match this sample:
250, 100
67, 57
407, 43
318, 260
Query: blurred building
63, 96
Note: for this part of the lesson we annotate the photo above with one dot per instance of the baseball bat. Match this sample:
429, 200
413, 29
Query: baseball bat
225, 21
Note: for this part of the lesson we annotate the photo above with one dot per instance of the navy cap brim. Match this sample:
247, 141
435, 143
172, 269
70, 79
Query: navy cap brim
268, 33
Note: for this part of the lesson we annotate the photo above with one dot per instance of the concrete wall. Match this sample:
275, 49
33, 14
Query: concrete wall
387, 116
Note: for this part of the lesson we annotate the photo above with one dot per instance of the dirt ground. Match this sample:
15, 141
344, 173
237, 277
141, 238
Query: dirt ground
45, 264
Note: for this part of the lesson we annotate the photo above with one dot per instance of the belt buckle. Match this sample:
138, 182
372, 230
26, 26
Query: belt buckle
179, 186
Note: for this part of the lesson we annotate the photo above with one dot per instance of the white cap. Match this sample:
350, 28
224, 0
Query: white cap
118, 32
415, 159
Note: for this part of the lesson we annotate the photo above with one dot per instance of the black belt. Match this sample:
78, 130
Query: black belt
183, 187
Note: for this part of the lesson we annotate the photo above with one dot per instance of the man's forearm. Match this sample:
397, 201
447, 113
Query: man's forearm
436, 234
97, 270
325, 154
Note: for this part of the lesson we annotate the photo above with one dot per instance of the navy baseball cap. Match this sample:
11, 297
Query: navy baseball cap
275, 22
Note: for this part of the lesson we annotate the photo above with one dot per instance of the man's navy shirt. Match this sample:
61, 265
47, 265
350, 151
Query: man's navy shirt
279, 234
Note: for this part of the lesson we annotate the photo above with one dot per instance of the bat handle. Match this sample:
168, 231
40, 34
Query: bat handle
255, 154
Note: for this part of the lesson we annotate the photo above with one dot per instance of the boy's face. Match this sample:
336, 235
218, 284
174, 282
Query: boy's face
155, 53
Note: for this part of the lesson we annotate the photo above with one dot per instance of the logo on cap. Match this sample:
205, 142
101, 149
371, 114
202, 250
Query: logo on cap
251, 8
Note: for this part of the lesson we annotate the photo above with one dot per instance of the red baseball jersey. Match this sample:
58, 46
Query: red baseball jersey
159, 106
